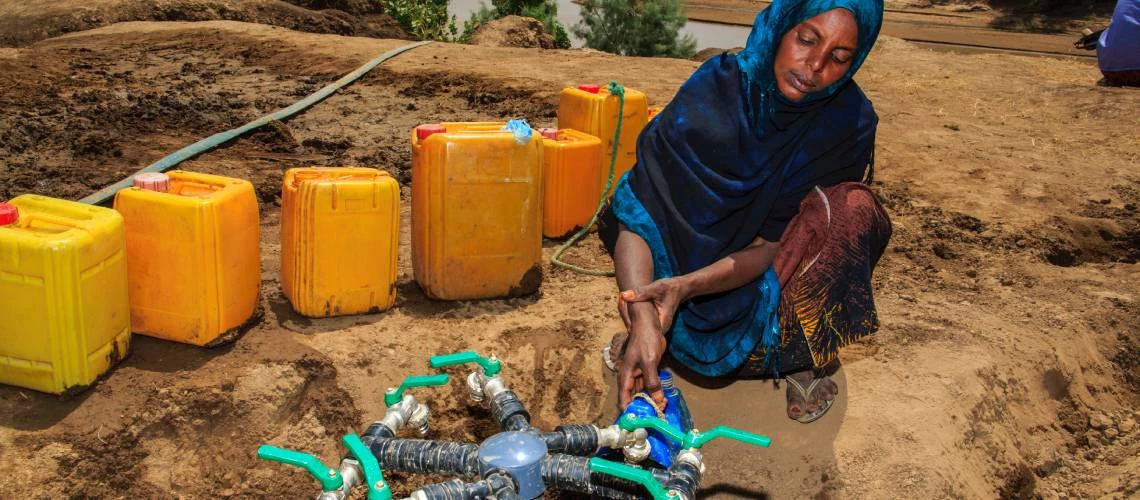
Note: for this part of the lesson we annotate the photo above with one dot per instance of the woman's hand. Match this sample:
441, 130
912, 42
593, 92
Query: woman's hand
666, 296
643, 352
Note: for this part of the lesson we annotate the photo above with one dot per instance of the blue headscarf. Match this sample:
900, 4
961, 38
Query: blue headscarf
727, 161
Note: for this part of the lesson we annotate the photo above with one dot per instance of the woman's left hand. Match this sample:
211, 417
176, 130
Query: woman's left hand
665, 294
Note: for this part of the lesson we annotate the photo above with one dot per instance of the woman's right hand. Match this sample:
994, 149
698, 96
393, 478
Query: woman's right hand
665, 294
643, 352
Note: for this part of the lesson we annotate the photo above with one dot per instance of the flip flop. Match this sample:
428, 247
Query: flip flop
612, 353
808, 418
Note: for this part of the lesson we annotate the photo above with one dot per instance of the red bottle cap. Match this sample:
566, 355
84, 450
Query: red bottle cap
423, 131
549, 133
9, 214
590, 87
152, 181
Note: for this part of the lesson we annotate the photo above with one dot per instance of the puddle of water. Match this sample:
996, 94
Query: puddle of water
707, 34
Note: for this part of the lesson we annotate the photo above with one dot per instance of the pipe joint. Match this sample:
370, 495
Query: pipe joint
693, 457
633, 444
482, 389
408, 413
353, 476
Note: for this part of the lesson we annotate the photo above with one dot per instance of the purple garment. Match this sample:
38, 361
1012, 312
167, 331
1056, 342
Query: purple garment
1119, 46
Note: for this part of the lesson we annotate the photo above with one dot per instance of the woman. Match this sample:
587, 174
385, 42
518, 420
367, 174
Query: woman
1118, 48
712, 265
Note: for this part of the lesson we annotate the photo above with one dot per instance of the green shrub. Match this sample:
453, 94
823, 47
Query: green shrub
424, 19
636, 28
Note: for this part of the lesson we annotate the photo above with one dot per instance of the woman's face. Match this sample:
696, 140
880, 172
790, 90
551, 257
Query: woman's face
816, 53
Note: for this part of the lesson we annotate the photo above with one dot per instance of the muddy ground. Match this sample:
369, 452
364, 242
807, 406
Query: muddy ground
1008, 363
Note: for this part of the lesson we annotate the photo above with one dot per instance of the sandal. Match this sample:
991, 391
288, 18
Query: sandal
613, 352
810, 417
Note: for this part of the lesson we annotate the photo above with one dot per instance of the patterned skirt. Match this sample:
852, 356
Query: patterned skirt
826, 258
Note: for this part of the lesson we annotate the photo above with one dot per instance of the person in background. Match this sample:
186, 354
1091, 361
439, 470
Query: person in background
1118, 48
743, 238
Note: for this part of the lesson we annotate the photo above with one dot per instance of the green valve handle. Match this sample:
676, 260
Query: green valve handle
491, 366
696, 440
631, 422
377, 488
635, 474
692, 439
329, 478
394, 395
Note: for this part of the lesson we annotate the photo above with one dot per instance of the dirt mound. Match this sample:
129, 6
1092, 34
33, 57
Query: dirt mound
23, 23
711, 52
513, 31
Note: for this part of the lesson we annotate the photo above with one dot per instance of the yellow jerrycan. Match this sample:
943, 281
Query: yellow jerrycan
593, 110
654, 111
64, 312
340, 234
570, 192
192, 255
476, 211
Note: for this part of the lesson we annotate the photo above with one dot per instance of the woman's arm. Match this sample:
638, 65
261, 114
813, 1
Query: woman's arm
633, 265
736, 270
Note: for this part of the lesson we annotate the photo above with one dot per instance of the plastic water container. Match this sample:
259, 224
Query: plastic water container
64, 313
476, 211
593, 110
192, 255
662, 451
340, 234
570, 171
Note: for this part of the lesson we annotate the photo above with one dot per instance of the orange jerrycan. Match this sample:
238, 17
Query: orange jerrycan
340, 230
192, 255
476, 211
593, 110
570, 192
64, 313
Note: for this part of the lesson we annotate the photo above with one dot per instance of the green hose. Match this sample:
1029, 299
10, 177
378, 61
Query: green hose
172, 160
615, 88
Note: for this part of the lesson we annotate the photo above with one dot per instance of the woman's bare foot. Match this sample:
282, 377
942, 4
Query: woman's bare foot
817, 397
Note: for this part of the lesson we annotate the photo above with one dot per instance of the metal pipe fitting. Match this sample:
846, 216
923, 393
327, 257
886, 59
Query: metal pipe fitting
408, 413
353, 476
633, 444
481, 388
638, 451
685, 475
475, 382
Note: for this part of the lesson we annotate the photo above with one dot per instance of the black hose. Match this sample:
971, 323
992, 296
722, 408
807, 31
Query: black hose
497, 485
684, 478
449, 490
509, 412
376, 430
571, 473
579, 440
427, 457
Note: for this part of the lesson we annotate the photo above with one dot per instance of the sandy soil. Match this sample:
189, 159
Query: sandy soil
963, 26
1008, 363
22, 23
